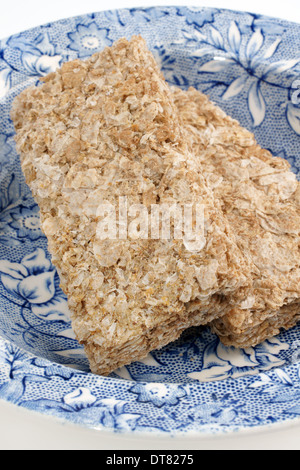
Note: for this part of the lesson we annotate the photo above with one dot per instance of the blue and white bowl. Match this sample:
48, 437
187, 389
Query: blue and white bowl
250, 66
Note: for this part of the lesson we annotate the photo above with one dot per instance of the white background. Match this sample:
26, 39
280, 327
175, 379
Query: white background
18, 15
20, 429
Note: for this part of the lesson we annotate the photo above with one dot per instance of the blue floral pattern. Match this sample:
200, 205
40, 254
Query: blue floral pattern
159, 394
148, 15
5, 81
27, 223
12, 198
249, 65
247, 59
88, 39
197, 17
220, 362
31, 281
40, 57
5, 150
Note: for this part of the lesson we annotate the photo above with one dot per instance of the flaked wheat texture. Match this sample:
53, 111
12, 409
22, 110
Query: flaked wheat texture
108, 127
260, 197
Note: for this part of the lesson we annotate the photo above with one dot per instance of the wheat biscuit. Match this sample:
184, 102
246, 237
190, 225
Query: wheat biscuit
93, 132
260, 197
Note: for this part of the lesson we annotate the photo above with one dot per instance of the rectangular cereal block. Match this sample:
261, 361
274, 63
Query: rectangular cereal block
260, 197
103, 129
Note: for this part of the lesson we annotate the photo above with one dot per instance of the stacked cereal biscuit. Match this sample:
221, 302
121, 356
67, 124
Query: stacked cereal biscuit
109, 128
260, 197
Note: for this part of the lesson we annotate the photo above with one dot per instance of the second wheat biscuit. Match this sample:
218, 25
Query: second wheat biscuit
260, 197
